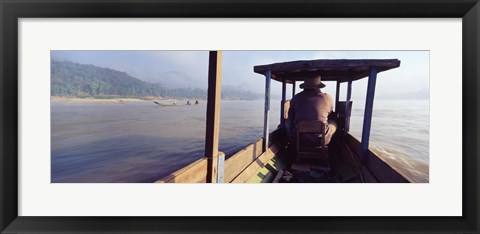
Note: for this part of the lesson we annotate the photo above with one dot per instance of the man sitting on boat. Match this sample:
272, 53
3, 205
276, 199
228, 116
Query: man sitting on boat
311, 104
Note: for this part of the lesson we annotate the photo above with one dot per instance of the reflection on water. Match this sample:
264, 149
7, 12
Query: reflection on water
143, 142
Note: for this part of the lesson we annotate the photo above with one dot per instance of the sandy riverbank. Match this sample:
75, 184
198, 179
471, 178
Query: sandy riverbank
114, 100
95, 100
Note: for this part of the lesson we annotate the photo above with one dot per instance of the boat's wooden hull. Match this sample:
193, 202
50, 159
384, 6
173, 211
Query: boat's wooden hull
252, 165
373, 168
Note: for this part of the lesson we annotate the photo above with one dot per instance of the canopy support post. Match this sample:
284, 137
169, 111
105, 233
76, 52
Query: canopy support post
213, 114
267, 108
367, 117
282, 107
347, 106
337, 96
293, 88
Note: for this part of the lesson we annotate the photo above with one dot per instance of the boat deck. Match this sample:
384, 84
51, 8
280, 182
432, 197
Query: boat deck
344, 167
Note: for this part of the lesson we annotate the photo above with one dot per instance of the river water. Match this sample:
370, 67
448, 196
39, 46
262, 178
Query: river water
142, 142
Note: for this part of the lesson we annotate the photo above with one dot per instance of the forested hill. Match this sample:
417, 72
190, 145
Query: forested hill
73, 79
70, 79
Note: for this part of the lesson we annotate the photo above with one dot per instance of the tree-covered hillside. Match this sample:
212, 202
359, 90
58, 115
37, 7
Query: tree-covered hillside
70, 79
73, 79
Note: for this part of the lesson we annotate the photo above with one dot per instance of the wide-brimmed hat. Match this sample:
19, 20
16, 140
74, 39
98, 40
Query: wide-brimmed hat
313, 83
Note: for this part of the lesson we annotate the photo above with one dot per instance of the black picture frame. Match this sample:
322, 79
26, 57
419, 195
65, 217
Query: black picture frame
11, 11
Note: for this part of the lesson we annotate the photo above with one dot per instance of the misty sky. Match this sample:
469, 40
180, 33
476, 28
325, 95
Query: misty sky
189, 69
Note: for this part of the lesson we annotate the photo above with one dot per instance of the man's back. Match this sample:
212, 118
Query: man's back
311, 105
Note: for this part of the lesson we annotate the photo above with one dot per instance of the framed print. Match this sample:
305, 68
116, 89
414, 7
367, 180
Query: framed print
162, 116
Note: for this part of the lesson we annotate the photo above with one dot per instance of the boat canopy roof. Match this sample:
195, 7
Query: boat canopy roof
329, 69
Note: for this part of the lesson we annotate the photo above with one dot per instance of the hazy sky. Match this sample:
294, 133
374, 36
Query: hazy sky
190, 68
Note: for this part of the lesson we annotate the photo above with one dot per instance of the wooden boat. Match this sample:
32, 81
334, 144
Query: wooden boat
271, 158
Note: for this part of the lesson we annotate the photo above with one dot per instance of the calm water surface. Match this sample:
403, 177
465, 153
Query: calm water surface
400, 134
143, 142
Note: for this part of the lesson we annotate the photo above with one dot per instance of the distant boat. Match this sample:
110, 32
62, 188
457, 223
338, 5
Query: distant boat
164, 104
168, 104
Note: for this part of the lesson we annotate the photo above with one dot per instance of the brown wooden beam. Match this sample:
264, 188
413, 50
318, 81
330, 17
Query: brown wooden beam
258, 164
239, 161
327, 64
195, 172
213, 114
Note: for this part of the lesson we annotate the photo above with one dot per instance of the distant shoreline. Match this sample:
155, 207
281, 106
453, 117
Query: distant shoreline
113, 100
121, 100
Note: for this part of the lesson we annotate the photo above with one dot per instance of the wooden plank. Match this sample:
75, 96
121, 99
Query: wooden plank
270, 170
383, 171
331, 70
367, 176
377, 167
353, 144
327, 64
239, 161
264, 172
213, 114
332, 75
256, 165
278, 176
195, 172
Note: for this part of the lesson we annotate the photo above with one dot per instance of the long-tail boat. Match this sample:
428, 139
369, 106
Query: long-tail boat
273, 157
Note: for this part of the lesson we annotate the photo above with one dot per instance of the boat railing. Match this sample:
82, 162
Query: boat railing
238, 168
374, 168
